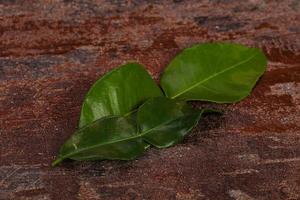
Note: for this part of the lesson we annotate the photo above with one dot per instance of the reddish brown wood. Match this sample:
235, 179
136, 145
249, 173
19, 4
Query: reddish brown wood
52, 51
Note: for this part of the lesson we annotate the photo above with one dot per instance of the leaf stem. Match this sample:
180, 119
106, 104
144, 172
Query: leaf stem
57, 161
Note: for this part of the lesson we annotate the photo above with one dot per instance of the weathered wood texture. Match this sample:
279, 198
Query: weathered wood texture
52, 51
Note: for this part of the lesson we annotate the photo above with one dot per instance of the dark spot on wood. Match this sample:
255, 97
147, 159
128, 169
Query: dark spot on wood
178, 1
265, 25
17, 100
219, 23
295, 5
200, 20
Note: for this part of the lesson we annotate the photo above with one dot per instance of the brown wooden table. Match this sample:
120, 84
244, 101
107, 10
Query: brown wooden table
52, 51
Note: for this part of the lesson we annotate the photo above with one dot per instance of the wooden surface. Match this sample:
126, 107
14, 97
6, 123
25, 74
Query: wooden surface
52, 51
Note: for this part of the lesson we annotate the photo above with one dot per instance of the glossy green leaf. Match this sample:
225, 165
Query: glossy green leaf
118, 93
107, 138
217, 72
164, 122
161, 122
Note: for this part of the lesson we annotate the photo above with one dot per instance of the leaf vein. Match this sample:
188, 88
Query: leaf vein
214, 75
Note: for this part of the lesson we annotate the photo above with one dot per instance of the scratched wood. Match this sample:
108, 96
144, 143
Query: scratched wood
52, 51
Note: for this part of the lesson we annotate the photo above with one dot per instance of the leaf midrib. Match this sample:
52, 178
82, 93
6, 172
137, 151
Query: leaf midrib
116, 141
214, 75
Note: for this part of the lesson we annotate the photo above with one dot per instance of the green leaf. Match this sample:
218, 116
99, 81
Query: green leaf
118, 93
161, 122
217, 72
164, 122
106, 138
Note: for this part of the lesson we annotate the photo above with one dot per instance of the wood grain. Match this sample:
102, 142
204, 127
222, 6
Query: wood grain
52, 51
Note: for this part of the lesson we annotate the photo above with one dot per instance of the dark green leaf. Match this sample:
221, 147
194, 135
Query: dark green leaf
118, 93
217, 72
164, 122
106, 138
161, 122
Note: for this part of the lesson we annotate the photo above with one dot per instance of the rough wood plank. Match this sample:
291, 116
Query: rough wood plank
52, 51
